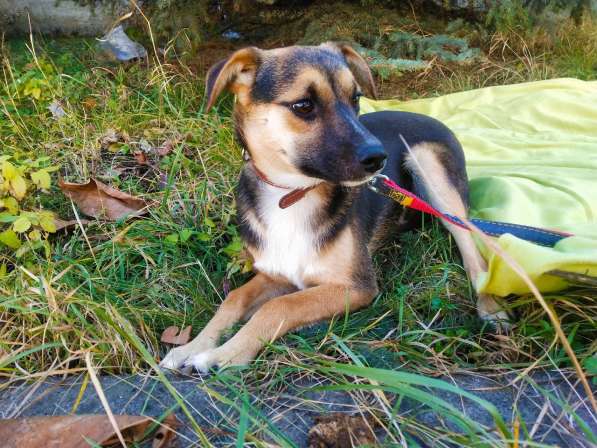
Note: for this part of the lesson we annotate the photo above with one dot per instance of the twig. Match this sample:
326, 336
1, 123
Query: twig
102, 397
574, 277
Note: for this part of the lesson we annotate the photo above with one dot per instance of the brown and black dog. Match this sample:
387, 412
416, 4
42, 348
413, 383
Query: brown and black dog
305, 213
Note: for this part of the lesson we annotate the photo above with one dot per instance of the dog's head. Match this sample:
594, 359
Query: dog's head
296, 112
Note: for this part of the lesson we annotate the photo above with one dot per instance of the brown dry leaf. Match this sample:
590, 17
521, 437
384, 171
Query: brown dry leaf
65, 225
89, 103
70, 431
99, 200
172, 336
112, 140
338, 430
141, 157
165, 148
165, 436
154, 131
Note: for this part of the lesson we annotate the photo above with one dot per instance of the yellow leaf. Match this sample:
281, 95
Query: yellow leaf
35, 235
32, 89
11, 205
42, 179
247, 267
18, 186
21, 225
33, 218
10, 238
47, 222
9, 171
114, 147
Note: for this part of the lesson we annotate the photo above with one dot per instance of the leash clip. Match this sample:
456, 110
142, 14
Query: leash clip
376, 182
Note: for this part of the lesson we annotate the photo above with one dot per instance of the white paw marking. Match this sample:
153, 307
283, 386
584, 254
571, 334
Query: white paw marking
202, 362
177, 357
169, 363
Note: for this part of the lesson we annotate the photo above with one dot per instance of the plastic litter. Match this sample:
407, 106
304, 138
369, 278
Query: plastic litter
57, 110
120, 46
231, 35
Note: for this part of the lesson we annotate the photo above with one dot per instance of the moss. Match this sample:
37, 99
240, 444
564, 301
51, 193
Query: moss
379, 36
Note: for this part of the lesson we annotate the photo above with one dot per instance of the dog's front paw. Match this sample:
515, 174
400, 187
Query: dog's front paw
221, 357
177, 357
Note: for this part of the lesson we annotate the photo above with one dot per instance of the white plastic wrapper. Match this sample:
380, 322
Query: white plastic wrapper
119, 45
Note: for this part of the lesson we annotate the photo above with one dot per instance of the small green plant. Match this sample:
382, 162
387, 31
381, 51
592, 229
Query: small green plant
34, 81
386, 67
404, 52
508, 15
22, 228
111, 291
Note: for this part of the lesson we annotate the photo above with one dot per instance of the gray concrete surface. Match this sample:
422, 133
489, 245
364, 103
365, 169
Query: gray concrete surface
92, 18
293, 406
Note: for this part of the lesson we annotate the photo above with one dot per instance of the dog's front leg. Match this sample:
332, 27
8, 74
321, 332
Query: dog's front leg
238, 304
279, 316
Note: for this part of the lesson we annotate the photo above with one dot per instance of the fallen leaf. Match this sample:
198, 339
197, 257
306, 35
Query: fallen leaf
89, 102
112, 140
101, 201
71, 431
114, 147
338, 430
141, 157
165, 435
154, 131
165, 148
172, 336
64, 225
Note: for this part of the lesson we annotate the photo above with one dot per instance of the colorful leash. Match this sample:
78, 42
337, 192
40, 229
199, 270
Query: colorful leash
384, 185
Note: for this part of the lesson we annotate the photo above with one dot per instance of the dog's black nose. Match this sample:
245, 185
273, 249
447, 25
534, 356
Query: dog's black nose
372, 157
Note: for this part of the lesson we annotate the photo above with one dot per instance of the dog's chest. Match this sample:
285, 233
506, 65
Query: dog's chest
288, 245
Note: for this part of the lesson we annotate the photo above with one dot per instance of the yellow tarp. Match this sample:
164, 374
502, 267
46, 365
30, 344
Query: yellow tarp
531, 152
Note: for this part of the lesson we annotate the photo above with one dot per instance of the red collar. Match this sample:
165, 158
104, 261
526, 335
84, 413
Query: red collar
288, 199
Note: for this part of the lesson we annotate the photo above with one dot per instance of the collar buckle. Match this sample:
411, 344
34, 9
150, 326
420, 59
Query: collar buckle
376, 182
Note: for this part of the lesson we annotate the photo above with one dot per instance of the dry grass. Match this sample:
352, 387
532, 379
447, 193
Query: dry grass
107, 290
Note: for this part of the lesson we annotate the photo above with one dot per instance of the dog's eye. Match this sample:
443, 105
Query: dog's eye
355, 99
302, 107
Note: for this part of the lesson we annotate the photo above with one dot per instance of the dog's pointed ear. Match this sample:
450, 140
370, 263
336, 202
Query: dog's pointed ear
358, 66
235, 73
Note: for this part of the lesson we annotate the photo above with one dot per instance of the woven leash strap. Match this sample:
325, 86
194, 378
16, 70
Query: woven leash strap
383, 185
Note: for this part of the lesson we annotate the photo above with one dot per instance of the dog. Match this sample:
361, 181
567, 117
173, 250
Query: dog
305, 214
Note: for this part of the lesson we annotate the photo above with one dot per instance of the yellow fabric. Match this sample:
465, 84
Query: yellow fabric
531, 152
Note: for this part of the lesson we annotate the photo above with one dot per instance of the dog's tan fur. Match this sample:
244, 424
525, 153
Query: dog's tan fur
310, 266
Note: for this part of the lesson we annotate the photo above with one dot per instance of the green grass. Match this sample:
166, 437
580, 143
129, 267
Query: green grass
111, 288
